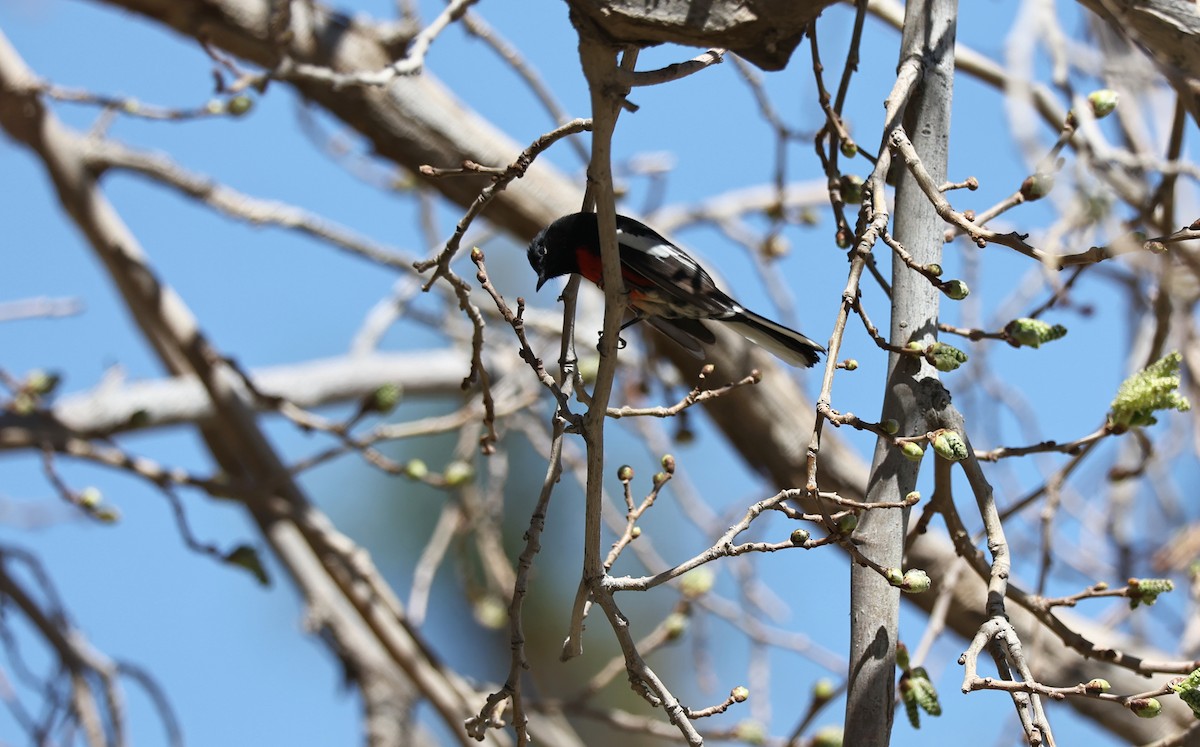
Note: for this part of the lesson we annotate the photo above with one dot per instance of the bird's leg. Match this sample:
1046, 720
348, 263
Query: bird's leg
620, 340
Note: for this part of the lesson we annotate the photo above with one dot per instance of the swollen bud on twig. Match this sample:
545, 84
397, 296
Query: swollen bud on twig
41, 382
696, 583
675, 626
828, 736
384, 399
917, 691
1103, 102
891, 426
458, 473
1146, 590
847, 523
416, 469
491, 613
1032, 333
751, 732
1142, 394
624, 473
933, 268
1188, 690
739, 694
823, 690
107, 514
1145, 707
246, 558
1037, 186
915, 581
799, 536
955, 290
949, 445
848, 148
852, 189
90, 497
946, 358
1097, 685
239, 105
912, 451
668, 464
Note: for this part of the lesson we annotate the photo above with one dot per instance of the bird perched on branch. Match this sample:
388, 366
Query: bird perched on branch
667, 288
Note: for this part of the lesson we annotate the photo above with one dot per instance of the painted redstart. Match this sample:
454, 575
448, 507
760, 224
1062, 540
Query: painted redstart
667, 288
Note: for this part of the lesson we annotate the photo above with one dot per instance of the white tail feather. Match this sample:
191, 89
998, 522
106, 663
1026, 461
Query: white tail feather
787, 344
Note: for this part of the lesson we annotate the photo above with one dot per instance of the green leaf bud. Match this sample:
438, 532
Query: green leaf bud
1097, 685
847, 523
385, 398
776, 246
891, 426
416, 469
1145, 707
1033, 332
850, 364
1188, 690
1103, 102
799, 536
90, 497
913, 498
1142, 394
852, 189
823, 690
107, 514
588, 367
916, 581
696, 583
933, 268
491, 612
668, 464
848, 148
675, 625
739, 694
828, 736
924, 691
949, 445
912, 451
751, 732
41, 382
955, 290
239, 105
1037, 186
894, 576
624, 473
1146, 590
458, 473
946, 357
246, 557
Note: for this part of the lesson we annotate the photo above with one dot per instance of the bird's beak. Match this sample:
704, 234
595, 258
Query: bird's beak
541, 281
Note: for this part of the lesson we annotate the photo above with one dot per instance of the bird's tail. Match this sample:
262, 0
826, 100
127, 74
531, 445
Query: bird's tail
788, 344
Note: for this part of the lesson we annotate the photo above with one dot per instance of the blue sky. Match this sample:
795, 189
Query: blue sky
231, 655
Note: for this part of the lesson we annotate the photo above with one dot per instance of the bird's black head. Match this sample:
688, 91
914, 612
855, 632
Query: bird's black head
552, 251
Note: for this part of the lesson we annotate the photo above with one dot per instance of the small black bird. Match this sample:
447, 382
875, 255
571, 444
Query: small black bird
667, 288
